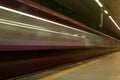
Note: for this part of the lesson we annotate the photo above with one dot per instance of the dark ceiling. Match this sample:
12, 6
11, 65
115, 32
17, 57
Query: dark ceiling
87, 12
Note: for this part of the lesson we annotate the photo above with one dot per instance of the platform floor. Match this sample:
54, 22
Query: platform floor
102, 68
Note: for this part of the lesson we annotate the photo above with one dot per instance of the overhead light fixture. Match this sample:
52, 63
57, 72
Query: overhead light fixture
99, 3
114, 22
105, 11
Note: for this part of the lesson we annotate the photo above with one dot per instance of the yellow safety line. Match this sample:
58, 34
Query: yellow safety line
62, 73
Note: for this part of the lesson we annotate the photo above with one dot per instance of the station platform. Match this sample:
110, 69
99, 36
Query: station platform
105, 67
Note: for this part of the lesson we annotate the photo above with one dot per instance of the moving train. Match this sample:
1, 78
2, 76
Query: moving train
25, 25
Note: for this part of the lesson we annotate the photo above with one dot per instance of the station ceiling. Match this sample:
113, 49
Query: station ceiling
113, 6
88, 12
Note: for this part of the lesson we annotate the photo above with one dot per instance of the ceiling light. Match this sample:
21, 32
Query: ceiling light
114, 22
99, 3
105, 11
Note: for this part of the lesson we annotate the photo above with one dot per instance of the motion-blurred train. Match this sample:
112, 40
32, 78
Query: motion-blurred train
27, 26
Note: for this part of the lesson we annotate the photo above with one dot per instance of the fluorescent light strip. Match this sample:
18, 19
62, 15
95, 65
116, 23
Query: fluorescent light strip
18, 24
114, 22
32, 16
105, 11
99, 3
